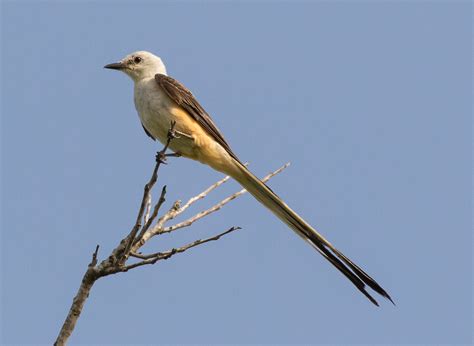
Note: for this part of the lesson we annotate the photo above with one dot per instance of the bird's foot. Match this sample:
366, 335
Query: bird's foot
160, 157
172, 133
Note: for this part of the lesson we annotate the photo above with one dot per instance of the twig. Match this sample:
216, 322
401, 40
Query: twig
155, 257
160, 158
217, 206
147, 209
203, 194
176, 209
148, 223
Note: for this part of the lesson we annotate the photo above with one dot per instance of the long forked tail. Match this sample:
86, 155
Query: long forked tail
276, 205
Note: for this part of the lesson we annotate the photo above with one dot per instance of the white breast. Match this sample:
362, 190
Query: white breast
151, 104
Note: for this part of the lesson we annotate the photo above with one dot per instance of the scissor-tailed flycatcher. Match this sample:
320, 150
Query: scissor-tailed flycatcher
160, 99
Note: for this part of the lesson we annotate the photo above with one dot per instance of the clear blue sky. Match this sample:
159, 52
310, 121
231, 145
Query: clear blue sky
371, 102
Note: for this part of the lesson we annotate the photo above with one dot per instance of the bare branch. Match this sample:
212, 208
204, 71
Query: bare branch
160, 158
155, 257
203, 194
148, 223
115, 260
88, 280
94, 257
217, 206
140, 234
147, 209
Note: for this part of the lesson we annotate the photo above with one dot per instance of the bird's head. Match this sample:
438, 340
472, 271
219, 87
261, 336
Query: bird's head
139, 65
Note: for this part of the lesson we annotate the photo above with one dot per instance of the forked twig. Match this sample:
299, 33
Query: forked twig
153, 258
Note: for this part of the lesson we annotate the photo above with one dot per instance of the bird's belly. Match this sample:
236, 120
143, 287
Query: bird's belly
157, 119
156, 123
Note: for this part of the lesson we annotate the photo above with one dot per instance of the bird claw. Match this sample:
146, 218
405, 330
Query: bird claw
161, 157
172, 134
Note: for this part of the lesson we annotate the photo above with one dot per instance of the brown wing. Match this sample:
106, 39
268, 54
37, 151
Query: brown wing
184, 98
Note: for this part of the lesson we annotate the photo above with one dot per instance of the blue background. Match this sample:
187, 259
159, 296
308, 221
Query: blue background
371, 102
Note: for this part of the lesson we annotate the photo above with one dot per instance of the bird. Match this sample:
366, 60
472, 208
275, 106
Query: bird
161, 100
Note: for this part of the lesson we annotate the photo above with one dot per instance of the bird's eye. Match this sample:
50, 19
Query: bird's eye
137, 59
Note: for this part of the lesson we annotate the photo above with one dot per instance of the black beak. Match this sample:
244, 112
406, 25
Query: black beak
115, 66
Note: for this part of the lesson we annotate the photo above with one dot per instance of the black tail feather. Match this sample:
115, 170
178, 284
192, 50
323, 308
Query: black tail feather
364, 276
347, 273
350, 270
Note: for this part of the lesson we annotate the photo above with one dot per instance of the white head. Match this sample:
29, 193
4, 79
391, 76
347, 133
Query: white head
139, 65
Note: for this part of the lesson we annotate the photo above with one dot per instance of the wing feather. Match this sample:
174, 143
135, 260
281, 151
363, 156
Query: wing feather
184, 98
